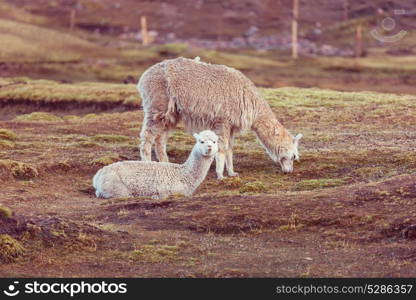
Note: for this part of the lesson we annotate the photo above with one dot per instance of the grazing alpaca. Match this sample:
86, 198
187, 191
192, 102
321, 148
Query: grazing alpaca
158, 180
207, 96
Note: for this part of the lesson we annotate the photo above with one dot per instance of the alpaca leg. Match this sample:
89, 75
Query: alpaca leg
229, 158
219, 164
147, 138
223, 135
160, 146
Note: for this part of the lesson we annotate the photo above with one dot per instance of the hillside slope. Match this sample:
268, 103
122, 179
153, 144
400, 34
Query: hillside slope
23, 42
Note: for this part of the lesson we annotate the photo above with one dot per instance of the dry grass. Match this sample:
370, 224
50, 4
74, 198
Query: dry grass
10, 249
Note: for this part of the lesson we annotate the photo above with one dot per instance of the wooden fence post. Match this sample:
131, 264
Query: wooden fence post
359, 51
295, 50
72, 17
145, 34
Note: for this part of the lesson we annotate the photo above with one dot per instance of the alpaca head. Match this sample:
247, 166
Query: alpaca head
206, 143
287, 152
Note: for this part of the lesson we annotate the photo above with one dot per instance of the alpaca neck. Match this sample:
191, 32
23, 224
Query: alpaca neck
197, 167
269, 131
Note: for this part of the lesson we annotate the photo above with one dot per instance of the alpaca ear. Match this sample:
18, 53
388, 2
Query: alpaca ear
298, 137
196, 136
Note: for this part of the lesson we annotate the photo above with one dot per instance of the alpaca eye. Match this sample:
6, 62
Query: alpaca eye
202, 142
214, 142
294, 157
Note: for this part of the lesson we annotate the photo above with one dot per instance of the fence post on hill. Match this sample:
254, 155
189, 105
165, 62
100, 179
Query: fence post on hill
359, 51
295, 50
72, 17
145, 33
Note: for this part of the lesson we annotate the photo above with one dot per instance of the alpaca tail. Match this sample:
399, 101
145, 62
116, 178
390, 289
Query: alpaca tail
96, 184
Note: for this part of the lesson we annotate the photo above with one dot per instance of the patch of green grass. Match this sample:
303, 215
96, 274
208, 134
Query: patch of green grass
10, 249
38, 117
312, 184
253, 187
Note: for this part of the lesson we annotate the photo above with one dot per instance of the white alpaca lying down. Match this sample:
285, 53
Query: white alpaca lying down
158, 180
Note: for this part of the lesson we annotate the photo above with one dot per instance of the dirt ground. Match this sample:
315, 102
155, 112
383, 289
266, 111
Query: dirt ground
348, 210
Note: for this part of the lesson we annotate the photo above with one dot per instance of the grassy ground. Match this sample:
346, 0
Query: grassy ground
345, 211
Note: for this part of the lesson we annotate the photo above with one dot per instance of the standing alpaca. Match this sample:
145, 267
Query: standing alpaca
209, 96
158, 180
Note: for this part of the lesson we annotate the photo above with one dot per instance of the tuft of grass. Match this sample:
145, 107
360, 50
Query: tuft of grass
294, 223
110, 138
155, 254
7, 135
105, 160
5, 144
312, 184
38, 117
172, 49
19, 170
253, 187
233, 182
5, 212
10, 249
370, 172
87, 144
6, 139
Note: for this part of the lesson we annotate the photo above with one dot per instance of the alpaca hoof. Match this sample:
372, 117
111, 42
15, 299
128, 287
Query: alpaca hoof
233, 174
220, 177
